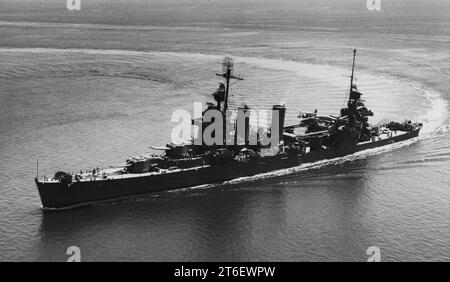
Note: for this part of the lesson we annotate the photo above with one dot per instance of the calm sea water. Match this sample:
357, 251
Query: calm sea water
94, 87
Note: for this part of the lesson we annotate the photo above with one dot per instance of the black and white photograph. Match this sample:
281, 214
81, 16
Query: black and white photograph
238, 132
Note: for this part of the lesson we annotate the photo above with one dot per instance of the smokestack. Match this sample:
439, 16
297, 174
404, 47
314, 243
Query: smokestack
243, 116
281, 109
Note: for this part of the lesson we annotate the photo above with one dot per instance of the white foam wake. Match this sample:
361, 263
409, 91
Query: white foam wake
435, 117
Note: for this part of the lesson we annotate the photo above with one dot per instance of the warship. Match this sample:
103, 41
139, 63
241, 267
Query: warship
312, 138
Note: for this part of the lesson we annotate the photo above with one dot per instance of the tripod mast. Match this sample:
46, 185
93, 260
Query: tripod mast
227, 68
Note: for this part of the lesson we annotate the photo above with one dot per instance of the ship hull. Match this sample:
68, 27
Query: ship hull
56, 195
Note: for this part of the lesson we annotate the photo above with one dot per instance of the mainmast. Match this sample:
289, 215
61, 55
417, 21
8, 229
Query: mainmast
227, 68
